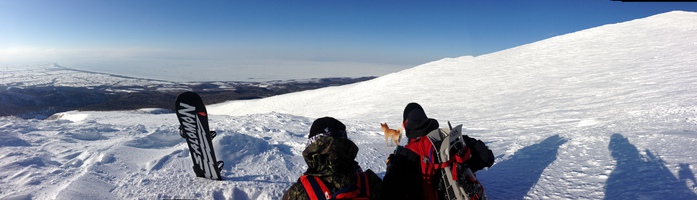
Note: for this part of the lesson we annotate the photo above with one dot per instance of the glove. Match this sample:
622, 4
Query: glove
481, 155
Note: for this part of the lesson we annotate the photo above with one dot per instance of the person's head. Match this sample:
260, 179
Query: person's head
328, 126
415, 121
328, 148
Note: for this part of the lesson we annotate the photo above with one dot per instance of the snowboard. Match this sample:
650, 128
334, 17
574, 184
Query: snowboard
193, 120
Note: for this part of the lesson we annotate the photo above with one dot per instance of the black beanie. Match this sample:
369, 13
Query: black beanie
410, 107
328, 126
416, 123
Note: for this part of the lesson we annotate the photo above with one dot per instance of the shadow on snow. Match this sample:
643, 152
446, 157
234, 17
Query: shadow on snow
644, 176
514, 177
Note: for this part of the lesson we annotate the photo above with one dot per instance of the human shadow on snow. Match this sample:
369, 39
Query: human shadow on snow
639, 176
685, 174
514, 177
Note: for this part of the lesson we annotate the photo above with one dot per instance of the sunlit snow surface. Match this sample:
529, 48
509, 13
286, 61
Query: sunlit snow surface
608, 112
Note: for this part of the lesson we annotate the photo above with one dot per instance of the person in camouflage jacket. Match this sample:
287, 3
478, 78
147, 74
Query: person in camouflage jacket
330, 155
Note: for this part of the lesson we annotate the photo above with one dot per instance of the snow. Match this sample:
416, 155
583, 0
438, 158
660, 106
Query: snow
608, 112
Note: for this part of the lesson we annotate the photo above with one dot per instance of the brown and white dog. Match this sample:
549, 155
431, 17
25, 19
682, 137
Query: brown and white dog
396, 135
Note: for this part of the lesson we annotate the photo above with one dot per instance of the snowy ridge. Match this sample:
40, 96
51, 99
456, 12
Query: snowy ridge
609, 112
642, 50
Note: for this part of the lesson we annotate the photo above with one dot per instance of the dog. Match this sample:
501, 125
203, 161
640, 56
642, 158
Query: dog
396, 135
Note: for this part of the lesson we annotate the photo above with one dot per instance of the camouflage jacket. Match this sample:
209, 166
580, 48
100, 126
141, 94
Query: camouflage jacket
333, 160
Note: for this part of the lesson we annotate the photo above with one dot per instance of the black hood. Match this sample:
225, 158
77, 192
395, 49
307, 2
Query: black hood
416, 123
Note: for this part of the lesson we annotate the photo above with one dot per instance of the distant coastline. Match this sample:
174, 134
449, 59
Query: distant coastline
37, 92
39, 102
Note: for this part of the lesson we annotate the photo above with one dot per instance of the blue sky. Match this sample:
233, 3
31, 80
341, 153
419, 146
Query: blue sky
390, 34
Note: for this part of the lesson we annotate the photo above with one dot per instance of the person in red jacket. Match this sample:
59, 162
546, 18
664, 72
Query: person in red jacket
404, 177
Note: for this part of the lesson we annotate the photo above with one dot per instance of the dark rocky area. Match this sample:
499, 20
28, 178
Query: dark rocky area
39, 102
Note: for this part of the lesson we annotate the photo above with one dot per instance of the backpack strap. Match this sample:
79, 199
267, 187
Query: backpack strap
315, 188
362, 182
458, 158
422, 146
346, 193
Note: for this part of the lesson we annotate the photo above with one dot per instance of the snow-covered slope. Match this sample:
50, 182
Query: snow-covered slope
592, 66
609, 112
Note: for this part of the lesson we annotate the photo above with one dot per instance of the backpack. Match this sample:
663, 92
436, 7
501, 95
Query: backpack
445, 174
317, 190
